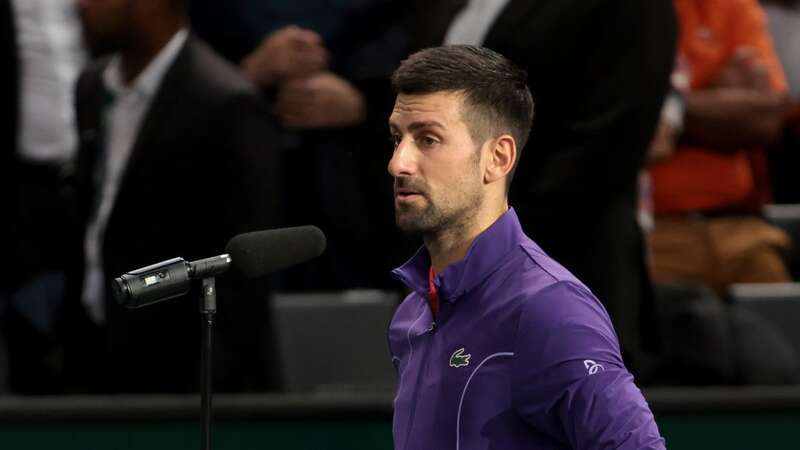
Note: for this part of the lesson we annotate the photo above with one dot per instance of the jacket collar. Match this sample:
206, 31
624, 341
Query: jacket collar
484, 257
146, 83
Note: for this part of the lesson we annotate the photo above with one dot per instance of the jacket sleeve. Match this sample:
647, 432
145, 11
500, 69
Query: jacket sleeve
569, 380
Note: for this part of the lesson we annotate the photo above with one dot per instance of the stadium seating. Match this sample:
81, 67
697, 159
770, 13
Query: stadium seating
335, 341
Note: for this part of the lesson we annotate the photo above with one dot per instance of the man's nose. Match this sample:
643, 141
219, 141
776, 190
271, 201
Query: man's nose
403, 161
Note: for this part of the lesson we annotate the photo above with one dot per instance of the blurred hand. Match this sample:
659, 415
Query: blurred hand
662, 147
745, 70
287, 52
324, 100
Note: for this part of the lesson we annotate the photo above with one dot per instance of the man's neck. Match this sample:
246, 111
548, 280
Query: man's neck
451, 245
135, 58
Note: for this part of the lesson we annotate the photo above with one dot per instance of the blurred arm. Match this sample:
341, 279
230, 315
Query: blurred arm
731, 118
744, 105
569, 380
286, 52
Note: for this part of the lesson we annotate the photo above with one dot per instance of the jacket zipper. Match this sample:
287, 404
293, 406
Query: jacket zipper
427, 334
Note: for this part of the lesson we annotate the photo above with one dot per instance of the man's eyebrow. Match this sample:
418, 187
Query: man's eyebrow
414, 126
425, 124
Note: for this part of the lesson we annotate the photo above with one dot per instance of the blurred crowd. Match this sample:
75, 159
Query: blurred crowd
141, 130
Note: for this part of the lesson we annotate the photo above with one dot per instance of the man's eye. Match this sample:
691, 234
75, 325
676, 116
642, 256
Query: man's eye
427, 141
395, 140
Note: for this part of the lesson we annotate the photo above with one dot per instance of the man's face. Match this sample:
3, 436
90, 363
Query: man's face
107, 24
438, 183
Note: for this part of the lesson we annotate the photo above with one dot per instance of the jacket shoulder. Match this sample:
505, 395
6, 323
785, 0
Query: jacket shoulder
215, 75
548, 268
539, 283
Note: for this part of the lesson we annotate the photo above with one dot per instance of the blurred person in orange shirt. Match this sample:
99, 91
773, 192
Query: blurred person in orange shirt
711, 181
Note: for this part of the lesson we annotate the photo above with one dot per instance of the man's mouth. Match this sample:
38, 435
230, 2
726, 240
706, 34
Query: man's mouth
404, 194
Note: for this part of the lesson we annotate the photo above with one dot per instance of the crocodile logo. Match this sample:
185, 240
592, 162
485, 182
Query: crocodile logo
459, 359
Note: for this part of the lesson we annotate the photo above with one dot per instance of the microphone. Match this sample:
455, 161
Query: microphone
262, 252
165, 280
253, 254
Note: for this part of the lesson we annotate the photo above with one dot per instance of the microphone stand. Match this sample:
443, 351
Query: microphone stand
208, 307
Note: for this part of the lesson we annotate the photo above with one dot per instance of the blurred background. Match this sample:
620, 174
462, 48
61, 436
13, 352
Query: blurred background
662, 169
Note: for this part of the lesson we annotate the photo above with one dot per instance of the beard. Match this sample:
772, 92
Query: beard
428, 216
417, 219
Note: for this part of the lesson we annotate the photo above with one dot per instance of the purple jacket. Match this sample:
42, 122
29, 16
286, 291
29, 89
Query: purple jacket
521, 356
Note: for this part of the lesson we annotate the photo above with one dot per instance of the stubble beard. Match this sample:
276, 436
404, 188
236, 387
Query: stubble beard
437, 218
431, 220
418, 220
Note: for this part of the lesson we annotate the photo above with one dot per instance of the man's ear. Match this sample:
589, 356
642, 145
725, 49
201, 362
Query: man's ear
502, 156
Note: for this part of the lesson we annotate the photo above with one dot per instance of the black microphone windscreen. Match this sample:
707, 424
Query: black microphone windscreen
262, 252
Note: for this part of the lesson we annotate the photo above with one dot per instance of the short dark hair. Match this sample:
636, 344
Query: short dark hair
496, 95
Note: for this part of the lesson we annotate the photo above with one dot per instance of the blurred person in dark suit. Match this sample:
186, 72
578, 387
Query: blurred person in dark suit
318, 65
176, 158
599, 71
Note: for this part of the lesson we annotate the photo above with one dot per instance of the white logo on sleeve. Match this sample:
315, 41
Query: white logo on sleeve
592, 366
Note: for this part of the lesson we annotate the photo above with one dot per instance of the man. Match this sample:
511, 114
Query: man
708, 192
599, 70
176, 159
497, 346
